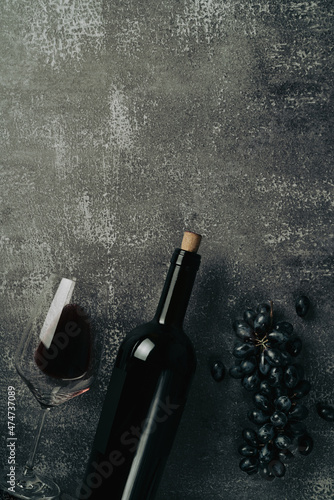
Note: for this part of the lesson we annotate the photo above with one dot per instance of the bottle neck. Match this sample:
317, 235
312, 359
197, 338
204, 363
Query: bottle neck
177, 289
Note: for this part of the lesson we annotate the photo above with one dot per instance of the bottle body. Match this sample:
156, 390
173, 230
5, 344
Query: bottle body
145, 399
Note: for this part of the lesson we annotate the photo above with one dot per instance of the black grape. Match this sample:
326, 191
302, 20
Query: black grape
302, 389
265, 472
279, 419
218, 371
250, 436
262, 323
305, 444
249, 316
286, 455
251, 382
298, 412
325, 411
258, 417
302, 305
266, 433
263, 308
282, 441
243, 330
284, 326
275, 376
286, 358
248, 464
261, 402
277, 337
294, 346
283, 403
291, 376
247, 450
266, 453
236, 371
264, 367
265, 388
277, 468
244, 350
273, 357
248, 365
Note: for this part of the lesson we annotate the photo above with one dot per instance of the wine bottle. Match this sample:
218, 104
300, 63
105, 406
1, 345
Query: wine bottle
146, 394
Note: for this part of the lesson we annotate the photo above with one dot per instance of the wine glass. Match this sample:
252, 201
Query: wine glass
58, 358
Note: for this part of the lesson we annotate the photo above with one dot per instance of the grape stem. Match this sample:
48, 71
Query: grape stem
262, 343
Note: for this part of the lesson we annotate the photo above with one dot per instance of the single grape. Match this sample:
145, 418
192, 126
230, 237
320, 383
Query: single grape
250, 436
243, 330
218, 371
248, 451
298, 412
281, 390
275, 376
284, 326
266, 453
248, 365
263, 308
302, 389
264, 367
251, 382
302, 305
286, 456
291, 376
273, 357
243, 350
286, 358
236, 371
325, 411
266, 433
248, 464
249, 316
265, 472
279, 419
262, 323
277, 468
258, 417
294, 346
283, 403
261, 402
282, 441
277, 337
305, 444
265, 388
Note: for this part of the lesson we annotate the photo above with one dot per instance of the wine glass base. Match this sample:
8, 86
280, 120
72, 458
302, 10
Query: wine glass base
31, 487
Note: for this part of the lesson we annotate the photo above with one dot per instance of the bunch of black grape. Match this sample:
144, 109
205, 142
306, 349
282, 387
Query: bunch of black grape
266, 364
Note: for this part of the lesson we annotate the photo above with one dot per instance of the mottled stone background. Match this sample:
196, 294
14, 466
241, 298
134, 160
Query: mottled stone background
125, 122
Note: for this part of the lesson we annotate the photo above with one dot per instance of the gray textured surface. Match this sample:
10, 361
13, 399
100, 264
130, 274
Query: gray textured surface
125, 122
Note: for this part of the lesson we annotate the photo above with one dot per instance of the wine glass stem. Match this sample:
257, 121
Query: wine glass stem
30, 462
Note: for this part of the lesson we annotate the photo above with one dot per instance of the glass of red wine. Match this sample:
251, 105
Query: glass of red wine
58, 358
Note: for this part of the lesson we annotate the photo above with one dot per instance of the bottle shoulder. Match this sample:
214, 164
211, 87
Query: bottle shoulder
158, 344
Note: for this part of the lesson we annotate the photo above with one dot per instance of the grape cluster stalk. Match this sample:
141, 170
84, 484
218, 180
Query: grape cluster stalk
265, 362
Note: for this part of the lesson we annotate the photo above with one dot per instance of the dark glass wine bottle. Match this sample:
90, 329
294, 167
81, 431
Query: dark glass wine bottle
146, 394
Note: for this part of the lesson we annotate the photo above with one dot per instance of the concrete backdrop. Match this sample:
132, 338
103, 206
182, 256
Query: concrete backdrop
124, 123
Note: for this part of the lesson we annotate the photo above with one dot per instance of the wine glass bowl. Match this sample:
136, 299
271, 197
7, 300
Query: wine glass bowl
58, 358
58, 353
